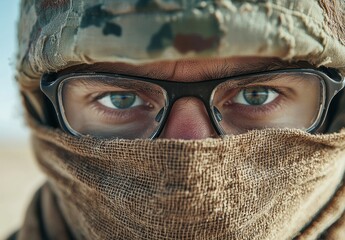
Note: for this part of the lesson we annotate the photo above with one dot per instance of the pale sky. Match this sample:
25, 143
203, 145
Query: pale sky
18, 174
11, 121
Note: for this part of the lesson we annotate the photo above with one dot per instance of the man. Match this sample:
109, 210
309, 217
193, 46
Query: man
185, 119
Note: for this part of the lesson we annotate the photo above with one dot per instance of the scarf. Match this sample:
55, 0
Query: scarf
267, 184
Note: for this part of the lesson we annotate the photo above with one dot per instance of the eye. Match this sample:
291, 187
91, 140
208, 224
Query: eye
120, 100
256, 95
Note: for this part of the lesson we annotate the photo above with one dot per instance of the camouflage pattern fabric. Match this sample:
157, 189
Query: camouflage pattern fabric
57, 34
54, 35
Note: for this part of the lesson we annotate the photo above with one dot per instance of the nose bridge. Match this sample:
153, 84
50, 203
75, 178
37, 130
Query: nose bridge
188, 119
200, 90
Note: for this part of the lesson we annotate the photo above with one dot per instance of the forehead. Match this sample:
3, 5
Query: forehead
191, 69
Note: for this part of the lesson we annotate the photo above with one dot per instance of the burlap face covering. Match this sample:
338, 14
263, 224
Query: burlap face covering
261, 185
271, 184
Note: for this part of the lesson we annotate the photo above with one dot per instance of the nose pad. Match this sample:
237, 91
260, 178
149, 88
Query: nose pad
188, 119
159, 115
217, 114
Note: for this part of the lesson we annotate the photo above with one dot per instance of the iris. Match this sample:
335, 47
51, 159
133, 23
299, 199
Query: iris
255, 95
122, 100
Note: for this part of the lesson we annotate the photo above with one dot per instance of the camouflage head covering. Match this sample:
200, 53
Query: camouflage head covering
239, 188
57, 34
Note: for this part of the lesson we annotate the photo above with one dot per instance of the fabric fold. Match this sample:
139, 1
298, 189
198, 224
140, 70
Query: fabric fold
196, 189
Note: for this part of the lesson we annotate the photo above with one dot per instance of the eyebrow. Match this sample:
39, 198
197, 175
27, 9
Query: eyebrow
109, 82
247, 68
226, 69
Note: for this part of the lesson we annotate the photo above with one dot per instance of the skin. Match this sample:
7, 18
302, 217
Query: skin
188, 118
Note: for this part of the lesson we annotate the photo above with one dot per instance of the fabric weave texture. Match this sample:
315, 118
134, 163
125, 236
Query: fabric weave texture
267, 184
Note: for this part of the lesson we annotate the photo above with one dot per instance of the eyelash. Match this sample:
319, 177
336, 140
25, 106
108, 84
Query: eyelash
251, 111
263, 109
256, 110
112, 114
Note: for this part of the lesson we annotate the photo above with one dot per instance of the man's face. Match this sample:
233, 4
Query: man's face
189, 118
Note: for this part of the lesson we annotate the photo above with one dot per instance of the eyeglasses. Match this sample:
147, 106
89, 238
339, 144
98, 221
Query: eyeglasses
121, 106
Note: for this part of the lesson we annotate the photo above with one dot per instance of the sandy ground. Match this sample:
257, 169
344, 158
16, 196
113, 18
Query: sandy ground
19, 178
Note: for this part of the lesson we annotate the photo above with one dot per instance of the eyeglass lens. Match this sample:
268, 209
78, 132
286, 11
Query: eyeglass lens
285, 100
112, 107
118, 107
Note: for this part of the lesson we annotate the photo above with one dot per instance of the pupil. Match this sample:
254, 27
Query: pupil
255, 95
122, 100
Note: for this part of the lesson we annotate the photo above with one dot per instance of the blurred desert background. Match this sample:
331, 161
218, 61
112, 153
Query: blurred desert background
19, 175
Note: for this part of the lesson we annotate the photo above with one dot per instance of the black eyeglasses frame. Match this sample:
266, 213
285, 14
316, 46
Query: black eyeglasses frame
333, 82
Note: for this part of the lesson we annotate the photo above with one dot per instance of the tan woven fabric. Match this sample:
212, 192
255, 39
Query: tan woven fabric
206, 189
43, 219
270, 184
